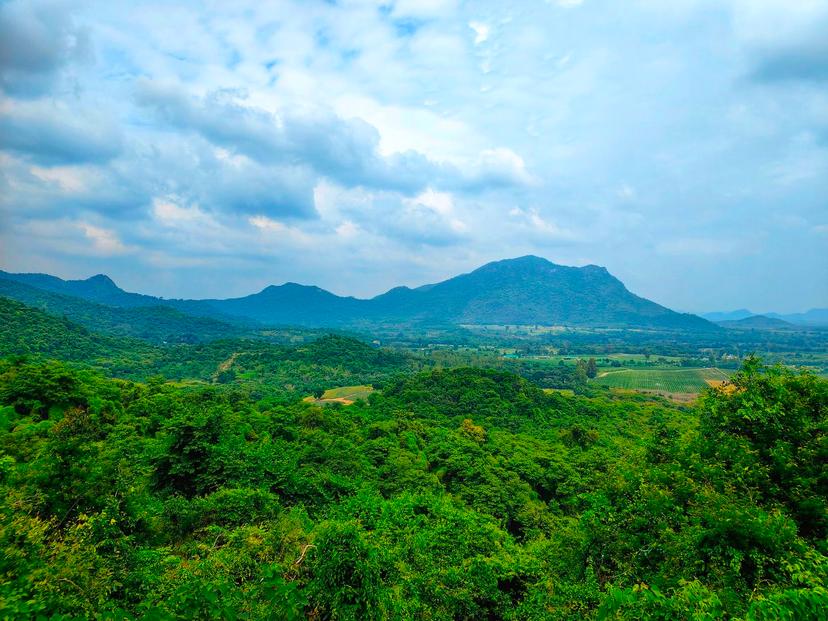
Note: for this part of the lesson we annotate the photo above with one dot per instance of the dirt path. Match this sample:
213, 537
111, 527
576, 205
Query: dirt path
225, 366
605, 373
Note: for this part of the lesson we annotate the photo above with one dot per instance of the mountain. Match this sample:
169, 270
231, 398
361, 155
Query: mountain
758, 322
158, 324
527, 290
293, 304
813, 317
99, 288
735, 315
532, 290
30, 331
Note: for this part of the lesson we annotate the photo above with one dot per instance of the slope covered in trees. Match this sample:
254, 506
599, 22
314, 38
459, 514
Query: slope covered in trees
156, 324
527, 290
250, 365
453, 494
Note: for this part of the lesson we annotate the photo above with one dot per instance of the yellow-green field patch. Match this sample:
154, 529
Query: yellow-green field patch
564, 391
345, 395
684, 381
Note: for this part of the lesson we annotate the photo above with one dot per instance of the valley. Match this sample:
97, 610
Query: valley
190, 459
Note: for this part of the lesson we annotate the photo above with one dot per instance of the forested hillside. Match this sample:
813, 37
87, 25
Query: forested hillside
254, 366
456, 494
156, 324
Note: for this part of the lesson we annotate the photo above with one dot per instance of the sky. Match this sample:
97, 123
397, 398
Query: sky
210, 149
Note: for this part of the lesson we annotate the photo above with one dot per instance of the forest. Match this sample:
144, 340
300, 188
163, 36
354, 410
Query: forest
414, 310
161, 482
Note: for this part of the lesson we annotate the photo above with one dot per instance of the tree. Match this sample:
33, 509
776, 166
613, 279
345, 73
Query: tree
768, 429
591, 368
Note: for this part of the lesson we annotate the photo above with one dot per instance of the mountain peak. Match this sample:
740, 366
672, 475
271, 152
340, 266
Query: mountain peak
101, 280
533, 261
528, 260
525, 290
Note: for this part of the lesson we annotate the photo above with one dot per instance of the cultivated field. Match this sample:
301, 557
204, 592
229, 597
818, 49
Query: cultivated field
349, 393
662, 380
345, 395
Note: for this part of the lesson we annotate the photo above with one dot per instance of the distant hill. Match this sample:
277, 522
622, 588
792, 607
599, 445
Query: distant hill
532, 290
758, 322
157, 324
29, 331
528, 290
735, 315
102, 290
813, 317
99, 288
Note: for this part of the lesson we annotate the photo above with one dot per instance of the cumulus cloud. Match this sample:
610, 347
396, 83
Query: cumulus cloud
807, 61
52, 134
75, 237
413, 140
784, 41
37, 39
346, 151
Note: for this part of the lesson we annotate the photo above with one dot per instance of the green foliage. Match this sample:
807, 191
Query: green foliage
448, 494
252, 365
768, 430
156, 324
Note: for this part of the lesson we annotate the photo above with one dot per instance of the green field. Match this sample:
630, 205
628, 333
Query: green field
643, 359
665, 380
348, 393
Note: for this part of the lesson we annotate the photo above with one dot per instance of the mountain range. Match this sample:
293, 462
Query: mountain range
757, 322
524, 291
813, 317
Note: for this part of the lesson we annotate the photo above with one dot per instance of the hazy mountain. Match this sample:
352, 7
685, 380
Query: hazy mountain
813, 317
152, 323
527, 290
758, 322
99, 288
531, 290
293, 304
734, 315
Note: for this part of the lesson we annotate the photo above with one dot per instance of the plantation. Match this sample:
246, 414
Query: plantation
669, 380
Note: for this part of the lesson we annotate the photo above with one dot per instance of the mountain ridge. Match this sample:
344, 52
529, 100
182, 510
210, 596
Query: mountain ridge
814, 317
758, 322
524, 290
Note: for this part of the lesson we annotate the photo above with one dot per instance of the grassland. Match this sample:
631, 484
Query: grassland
685, 381
345, 395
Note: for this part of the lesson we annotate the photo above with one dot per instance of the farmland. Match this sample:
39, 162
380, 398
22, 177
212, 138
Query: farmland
345, 395
670, 380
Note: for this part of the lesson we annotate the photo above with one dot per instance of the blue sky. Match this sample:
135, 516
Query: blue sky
210, 149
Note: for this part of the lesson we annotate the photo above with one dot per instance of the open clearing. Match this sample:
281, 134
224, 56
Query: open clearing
563, 391
345, 395
686, 381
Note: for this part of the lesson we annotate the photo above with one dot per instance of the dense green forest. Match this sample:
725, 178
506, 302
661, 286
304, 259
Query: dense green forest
151, 480
253, 365
157, 324
452, 494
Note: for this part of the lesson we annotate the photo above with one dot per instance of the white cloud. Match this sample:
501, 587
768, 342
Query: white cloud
423, 8
168, 212
481, 32
565, 133
68, 178
104, 242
